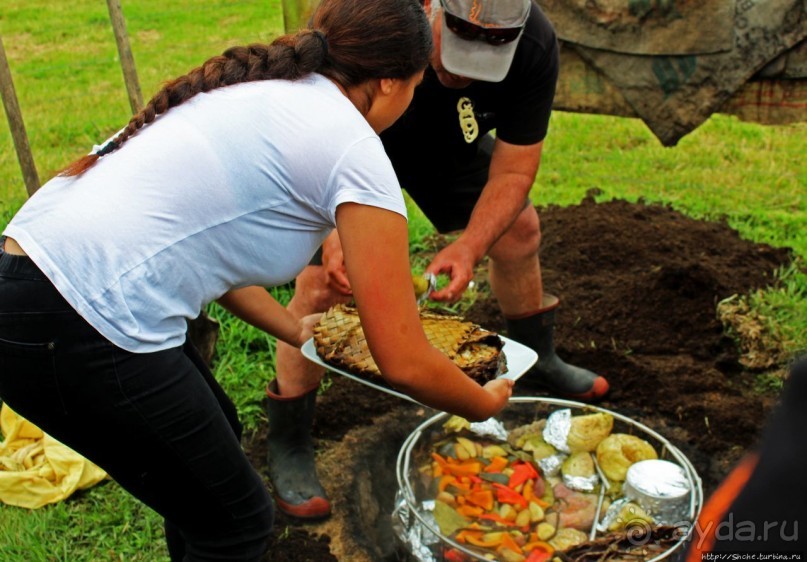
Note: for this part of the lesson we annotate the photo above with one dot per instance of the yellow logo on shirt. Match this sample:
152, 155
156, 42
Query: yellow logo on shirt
468, 124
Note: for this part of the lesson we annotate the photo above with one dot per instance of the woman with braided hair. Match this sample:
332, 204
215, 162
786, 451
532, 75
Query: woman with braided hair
225, 183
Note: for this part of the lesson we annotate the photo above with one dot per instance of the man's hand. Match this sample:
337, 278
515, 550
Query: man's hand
504, 197
457, 261
333, 262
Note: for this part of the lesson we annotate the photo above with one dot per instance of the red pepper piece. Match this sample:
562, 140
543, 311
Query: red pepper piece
454, 555
539, 555
522, 471
504, 494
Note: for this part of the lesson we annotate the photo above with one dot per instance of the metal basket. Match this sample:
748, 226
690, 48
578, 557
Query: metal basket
414, 525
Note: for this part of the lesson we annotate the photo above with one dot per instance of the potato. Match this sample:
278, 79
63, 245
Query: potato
587, 431
629, 515
545, 531
617, 452
578, 464
567, 538
539, 448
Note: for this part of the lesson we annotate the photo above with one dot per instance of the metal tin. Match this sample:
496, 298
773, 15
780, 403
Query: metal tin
662, 489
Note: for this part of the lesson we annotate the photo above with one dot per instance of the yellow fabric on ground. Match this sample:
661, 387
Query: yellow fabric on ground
36, 469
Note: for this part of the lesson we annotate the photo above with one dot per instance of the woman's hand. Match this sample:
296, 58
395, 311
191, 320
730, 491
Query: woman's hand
307, 324
501, 390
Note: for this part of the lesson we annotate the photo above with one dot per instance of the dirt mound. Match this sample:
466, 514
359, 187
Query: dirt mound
639, 285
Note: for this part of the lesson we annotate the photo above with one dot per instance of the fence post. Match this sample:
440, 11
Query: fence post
16, 125
125, 53
296, 14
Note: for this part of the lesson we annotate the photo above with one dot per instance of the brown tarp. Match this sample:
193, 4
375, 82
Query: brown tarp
789, 65
645, 27
674, 94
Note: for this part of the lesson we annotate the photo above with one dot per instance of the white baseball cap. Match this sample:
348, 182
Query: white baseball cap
479, 37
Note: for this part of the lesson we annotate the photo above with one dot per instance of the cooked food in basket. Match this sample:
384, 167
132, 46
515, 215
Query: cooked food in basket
536, 495
340, 342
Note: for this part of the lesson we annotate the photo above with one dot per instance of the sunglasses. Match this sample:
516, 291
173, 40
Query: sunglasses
470, 31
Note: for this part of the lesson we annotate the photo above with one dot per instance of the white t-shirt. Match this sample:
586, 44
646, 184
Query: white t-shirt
234, 187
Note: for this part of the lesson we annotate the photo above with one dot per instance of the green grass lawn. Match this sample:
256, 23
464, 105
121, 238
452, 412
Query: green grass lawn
70, 88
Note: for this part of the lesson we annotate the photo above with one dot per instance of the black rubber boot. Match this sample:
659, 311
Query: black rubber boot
290, 455
536, 332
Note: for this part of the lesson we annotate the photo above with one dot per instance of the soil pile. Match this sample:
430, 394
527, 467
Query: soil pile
639, 285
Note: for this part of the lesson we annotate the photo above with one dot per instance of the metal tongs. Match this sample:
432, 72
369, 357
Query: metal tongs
424, 285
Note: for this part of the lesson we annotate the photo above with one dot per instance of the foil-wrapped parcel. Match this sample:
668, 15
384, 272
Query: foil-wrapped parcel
340, 341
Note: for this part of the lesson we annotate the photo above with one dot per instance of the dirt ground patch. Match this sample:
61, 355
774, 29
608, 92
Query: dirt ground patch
639, 285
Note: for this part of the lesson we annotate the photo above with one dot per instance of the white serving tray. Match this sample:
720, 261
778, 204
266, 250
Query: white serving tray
519, 359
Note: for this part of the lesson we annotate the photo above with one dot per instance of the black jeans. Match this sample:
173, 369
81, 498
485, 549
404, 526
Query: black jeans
158, 423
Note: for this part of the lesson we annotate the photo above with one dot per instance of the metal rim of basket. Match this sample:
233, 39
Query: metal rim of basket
404, 456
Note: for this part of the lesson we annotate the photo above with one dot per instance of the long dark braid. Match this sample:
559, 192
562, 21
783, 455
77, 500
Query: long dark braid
351, 41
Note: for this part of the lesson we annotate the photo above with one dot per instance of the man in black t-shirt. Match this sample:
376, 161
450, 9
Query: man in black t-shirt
464, 179
494, 67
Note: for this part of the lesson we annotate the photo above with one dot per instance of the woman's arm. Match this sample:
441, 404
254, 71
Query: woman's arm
376, 248
256, 306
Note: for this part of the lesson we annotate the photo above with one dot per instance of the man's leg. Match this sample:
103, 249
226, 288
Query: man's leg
515, 278
291, 401
295, 373
514, 271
